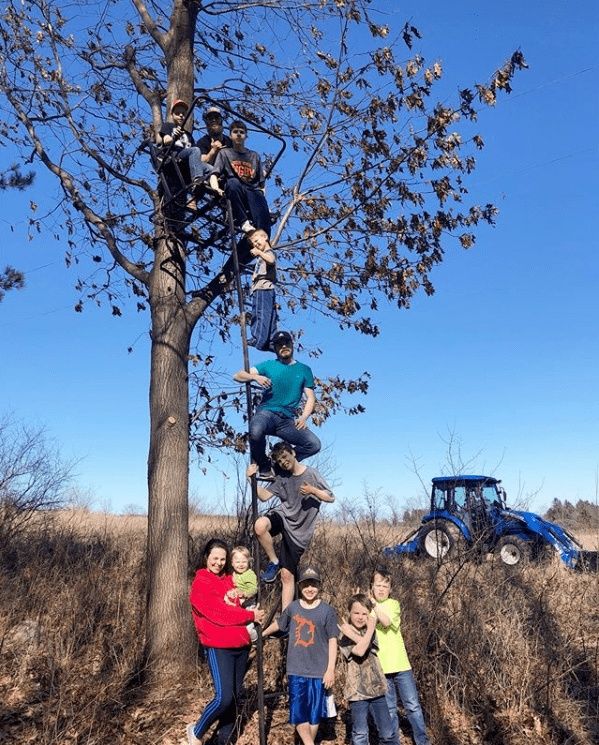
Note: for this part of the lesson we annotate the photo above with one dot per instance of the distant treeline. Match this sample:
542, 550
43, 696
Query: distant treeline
582, 515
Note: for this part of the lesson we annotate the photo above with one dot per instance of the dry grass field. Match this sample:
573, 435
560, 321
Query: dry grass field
500, 658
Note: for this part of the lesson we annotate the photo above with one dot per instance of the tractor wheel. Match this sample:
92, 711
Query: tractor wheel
513, 552
441, 540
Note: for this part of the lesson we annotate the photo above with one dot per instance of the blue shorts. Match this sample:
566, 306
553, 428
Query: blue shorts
307, 700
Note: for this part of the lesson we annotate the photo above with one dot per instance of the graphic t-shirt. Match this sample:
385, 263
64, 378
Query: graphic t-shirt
244, 165
309, 632
182, 142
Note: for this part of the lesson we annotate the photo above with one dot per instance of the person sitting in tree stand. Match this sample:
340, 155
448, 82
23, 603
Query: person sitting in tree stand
215, 139
284, 381
264, 277
183, 148
244, 182
301, 490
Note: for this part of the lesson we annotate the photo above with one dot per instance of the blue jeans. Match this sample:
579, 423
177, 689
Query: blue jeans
404, 684
264, 319
248, 203
266, 422
378, 710
198, 170
227, 667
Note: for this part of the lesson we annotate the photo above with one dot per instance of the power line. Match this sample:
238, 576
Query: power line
35, 315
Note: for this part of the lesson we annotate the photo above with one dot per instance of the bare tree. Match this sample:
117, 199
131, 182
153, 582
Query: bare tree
374, 187
33, 476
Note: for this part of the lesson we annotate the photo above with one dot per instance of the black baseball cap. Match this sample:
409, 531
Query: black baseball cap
281, 338
309, 573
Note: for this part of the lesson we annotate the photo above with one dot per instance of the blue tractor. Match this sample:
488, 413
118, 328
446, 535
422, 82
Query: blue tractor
469, 514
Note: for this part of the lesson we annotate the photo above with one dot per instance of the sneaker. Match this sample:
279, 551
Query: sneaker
268, 475
211, 190
247, 227
191, 738
270, 573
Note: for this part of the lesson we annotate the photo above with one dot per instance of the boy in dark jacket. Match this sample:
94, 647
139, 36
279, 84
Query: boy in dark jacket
182, 145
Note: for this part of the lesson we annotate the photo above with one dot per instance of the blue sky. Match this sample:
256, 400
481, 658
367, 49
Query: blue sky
503, 358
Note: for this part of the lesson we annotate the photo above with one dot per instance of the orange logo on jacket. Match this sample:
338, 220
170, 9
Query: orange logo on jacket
304, 631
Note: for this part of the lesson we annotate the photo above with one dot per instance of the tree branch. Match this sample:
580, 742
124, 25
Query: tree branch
154, 98
68, 184
150, 24
297, 197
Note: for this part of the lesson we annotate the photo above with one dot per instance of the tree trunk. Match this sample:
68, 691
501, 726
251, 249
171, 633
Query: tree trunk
169, 630
170, 638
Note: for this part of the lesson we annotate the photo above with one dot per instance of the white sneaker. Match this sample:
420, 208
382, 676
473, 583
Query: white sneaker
247, 227
191, 738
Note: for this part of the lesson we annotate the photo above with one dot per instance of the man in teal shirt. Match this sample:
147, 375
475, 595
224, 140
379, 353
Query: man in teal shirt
285, 382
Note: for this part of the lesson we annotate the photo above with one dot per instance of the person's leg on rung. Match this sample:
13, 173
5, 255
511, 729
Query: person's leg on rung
290, 555
262, 529
258, 209
235, 192
304, 441
263, 423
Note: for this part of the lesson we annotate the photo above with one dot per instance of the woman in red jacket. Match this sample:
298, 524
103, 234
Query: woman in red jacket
221, 627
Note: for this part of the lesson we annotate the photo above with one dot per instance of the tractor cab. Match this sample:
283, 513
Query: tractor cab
471, 500
459, 494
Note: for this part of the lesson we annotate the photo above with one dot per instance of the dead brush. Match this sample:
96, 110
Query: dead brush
79, 597
504, 652
501, 658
